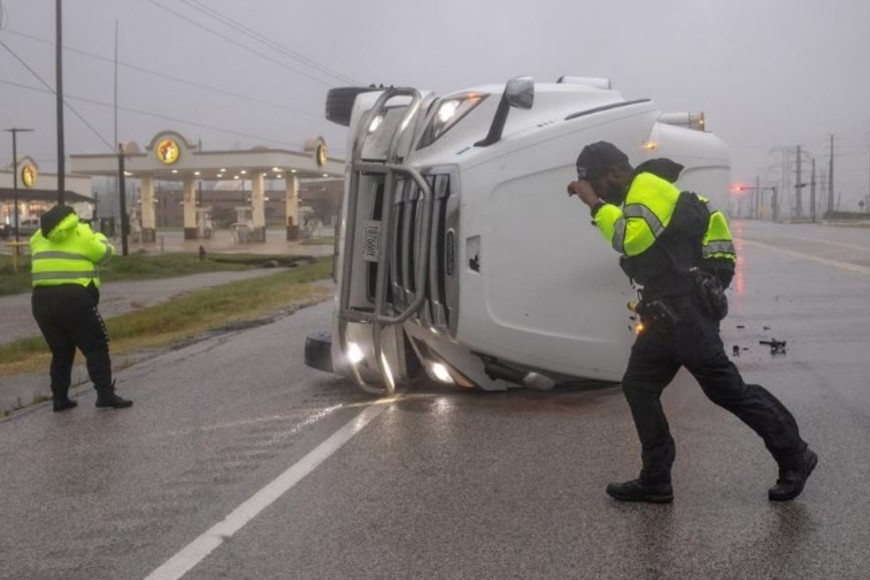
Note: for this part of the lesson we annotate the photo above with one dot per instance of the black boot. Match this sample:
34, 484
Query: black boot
792, 478
637, 490
106, 398
62, 404
60, 399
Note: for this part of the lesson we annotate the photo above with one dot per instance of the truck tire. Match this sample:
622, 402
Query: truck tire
339, 103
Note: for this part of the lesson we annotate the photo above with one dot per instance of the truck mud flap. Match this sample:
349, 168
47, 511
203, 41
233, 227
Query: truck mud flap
318, 351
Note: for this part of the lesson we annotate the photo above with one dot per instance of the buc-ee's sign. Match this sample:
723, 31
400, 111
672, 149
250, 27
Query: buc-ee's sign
168, 151
28, 175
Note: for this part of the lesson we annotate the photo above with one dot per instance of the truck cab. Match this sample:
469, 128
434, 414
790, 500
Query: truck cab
461, 256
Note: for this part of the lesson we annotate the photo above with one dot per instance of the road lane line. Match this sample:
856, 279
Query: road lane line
810, 257
192, 554
828, 242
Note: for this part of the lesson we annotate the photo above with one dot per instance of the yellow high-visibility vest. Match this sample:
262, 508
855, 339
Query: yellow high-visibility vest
71, 254
647, 211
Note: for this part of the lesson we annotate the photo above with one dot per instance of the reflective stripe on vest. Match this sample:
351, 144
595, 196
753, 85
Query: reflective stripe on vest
718, 242
719, 247
635, 210
65, 275
60, 255
618, 241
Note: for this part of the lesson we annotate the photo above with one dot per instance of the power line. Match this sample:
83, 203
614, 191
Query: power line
157, 115
265, 40
240, 45
52, 91
169, 77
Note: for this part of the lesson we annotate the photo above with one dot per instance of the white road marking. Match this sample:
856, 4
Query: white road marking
825, 261
192, 554
828, 242
312, 418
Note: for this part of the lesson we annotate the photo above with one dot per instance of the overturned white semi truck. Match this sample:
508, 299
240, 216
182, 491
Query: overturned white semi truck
460, 254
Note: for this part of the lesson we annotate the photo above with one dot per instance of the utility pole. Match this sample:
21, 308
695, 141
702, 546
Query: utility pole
784, 177
122, 193
61, 164
116, 82
758, 197
798, 206
831, 177
813, 192
15, 131
775, 205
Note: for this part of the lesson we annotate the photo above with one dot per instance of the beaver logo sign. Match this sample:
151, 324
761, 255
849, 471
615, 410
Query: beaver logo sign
168, 151
28, 175
321, 154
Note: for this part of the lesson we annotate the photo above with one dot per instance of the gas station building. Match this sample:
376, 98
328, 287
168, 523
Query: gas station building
37, 192
170, 157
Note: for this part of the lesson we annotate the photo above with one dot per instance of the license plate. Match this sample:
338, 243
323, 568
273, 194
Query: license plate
372, 241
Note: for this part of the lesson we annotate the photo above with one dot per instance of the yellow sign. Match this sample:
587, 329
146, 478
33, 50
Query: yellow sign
321, 154
168, 151
28, 175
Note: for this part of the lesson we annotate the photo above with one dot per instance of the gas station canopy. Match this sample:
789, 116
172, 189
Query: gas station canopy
169, 156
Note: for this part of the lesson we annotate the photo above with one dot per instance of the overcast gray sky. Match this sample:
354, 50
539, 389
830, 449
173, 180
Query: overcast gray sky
767, 73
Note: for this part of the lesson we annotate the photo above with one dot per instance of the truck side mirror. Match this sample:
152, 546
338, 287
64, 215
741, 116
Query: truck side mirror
520, 93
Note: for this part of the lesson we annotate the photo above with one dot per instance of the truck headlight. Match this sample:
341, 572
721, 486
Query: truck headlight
449, 112
441, 373
354, 353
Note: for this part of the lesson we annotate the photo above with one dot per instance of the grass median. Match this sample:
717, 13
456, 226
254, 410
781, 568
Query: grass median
146, 267
192, 314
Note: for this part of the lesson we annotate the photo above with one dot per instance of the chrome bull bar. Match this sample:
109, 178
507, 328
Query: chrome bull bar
395, 164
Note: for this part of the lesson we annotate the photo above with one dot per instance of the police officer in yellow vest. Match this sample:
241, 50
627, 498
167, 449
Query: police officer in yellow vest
66, 256
666, 240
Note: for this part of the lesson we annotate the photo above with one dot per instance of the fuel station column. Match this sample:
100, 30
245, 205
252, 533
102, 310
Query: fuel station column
291, 199
258, 204
149, 229
190, 232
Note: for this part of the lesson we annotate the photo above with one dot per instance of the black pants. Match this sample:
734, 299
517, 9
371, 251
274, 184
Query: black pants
694, 343
68, 317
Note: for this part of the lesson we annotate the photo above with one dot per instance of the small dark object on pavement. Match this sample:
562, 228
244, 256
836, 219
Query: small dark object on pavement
776, 346
736, 350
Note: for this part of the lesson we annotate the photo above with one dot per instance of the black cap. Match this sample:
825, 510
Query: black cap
597, 158
53, 217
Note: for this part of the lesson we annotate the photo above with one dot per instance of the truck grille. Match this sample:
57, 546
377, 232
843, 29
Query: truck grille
406, 251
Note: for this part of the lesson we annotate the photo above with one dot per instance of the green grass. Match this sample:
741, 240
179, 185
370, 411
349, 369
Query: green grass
145, 267
319, 242
191, 314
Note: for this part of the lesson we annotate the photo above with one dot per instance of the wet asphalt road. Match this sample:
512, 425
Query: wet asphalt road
447, 484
